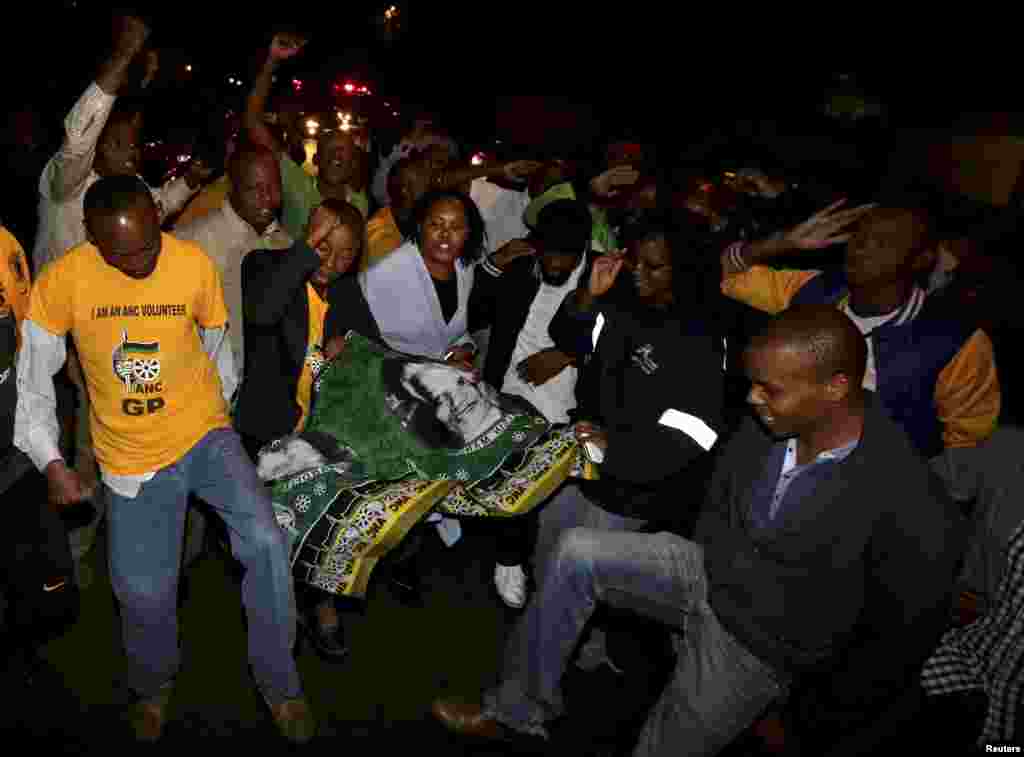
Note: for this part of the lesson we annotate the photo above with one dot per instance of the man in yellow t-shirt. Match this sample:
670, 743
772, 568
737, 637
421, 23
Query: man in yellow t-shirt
408, 182
147, 316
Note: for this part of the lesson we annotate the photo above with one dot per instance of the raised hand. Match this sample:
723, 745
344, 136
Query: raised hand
285, 45
604, 272
322, 222
152, 67
198, 173
518, 170
517, 248
608, 183
824, 228
132, 33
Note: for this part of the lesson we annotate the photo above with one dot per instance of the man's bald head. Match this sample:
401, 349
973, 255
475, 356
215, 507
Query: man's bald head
890, 245
806, 371
121, 219
336, 158
833, 345
408, 181
255, 185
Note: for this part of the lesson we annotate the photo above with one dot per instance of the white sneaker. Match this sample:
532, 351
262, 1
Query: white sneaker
510, 581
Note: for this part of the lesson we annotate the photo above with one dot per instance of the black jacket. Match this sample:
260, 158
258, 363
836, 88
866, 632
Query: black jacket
501, 301
13, 463
855, 586
646, 362
276, 322
348, 311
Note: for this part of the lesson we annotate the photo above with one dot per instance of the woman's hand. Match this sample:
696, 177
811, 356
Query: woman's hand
604, 271
461, 357
587, 432
334, 347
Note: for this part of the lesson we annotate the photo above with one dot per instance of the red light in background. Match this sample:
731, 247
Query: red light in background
350, 87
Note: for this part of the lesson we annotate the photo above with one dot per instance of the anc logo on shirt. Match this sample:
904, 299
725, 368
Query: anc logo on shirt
137, 366
19, 269
642, 359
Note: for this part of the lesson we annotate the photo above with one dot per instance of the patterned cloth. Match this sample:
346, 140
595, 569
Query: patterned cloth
988, 654
366, 469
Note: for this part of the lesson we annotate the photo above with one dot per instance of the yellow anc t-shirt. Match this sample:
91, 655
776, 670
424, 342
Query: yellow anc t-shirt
153, 390
314, 353
15, 283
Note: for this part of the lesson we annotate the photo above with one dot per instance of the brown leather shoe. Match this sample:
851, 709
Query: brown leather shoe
294, 720
148, 717
468, 719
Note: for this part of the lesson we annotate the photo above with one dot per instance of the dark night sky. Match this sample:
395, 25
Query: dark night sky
456, 60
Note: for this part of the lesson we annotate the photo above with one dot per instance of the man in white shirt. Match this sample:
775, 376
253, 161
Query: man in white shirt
517, 292
247, 221
99, 141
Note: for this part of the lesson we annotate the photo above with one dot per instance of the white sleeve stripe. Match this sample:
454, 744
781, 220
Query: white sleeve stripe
690, 425
598, 326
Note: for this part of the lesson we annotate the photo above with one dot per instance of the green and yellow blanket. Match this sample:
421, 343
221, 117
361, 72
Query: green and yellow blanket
392, 437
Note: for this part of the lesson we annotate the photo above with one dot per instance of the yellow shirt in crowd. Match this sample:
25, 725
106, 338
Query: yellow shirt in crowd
314, 352
15, 282
967, 394
382, 237
154, 391
209, 199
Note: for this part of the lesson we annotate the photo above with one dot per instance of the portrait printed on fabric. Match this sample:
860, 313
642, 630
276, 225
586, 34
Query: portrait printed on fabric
443, 406
387, 415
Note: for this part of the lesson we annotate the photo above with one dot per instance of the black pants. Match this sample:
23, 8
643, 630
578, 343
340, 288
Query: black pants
515, 539
36, 572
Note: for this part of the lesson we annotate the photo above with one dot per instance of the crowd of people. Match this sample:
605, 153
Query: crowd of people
794, 412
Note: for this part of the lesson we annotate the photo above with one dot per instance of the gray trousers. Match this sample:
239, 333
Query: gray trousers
718, 687
993, 475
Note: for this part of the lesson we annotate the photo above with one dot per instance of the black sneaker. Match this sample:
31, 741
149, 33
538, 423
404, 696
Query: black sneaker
329, 644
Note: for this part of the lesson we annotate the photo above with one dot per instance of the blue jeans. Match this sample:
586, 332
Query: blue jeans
145, 539
718, 687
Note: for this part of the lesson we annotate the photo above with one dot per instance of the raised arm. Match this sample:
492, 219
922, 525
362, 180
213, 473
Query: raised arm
824, 229
578, 324
517, 170
67, 171
282, 47
746, 278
